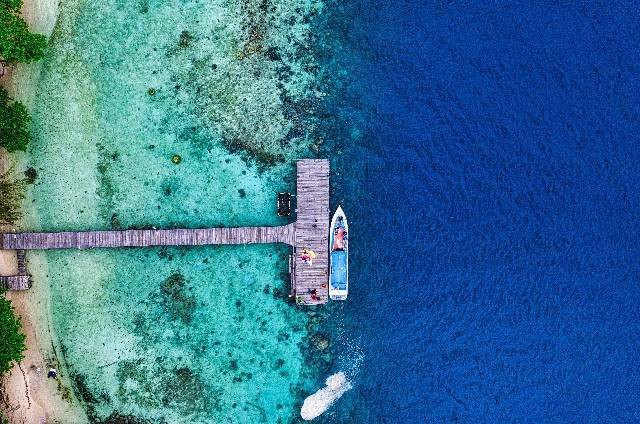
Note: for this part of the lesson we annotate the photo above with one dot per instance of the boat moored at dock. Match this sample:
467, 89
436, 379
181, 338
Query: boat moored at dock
339, 256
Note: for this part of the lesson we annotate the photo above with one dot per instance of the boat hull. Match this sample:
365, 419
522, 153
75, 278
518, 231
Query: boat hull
339, 256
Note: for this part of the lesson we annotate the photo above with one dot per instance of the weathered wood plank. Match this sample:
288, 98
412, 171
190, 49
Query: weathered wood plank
143, 238
309, 281
15, 282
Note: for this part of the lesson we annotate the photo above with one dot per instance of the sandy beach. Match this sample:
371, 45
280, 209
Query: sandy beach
28, 396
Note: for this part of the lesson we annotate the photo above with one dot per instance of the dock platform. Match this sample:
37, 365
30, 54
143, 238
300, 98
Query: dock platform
17, 282
309, 278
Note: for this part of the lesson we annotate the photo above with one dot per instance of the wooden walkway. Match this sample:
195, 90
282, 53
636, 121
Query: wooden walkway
144, 238
309, 280
14, 282
17, 282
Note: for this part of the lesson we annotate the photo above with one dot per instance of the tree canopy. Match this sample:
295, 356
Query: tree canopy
13, 341
14, 5
14, 122
17, 43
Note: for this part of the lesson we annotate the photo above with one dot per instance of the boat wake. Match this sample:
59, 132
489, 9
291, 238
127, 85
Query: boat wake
321, 400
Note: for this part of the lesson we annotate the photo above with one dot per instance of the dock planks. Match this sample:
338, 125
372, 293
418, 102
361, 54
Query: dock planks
144, 238
312, 230
14, 282
309, 280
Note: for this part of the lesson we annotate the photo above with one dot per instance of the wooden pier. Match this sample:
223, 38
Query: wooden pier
309, 279
14, 282
17, 282
145, 238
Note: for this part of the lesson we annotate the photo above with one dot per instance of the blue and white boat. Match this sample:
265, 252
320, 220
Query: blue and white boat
339, 256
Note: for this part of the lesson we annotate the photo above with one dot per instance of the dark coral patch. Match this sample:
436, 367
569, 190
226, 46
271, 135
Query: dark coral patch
175, 300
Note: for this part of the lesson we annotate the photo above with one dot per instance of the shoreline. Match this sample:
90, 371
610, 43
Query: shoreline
27, 395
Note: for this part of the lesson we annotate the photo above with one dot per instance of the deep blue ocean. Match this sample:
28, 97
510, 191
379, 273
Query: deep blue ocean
487, 154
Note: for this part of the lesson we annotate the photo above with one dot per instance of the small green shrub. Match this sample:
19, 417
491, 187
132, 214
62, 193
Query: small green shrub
30, 175
14, 5
14, 122
13, 340
11, 193
17, 43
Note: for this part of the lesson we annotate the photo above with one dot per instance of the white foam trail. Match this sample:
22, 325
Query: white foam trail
321, 400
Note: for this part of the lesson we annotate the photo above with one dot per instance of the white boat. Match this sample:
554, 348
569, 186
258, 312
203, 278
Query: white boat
339, 256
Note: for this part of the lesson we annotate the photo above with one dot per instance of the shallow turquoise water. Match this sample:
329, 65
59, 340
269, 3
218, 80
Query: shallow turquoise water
187, 335
181, 335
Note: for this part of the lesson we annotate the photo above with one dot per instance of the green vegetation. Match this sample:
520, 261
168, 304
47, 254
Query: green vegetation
17, 43
13, 341
11, 4
11, 193
14, 120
